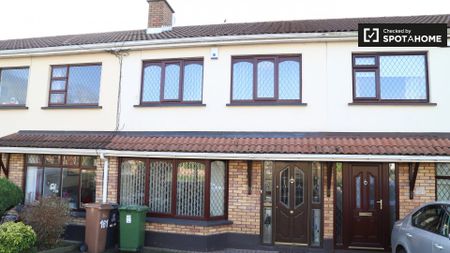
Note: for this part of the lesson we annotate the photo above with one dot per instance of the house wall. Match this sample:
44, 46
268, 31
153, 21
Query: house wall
36, 118
326, 88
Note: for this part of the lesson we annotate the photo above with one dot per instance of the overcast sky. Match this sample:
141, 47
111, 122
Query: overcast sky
32, 18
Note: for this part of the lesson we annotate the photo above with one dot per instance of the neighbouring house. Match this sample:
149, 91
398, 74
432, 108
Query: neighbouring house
251, 135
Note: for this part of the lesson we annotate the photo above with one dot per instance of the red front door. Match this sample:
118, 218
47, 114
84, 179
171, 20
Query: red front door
291, 204
364, 210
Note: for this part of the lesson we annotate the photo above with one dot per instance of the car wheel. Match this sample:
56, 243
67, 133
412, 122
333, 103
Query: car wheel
401, 250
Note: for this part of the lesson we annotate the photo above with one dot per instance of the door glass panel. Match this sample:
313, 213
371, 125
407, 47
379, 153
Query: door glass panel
268, 182
371, 191
316, 180
358, 191
87, 186
299, 184
160, 187
267, 225
284, 187
217, 186
339, 205
70, 182
315, 227
267, 202
52, 182
33, 188
392, 194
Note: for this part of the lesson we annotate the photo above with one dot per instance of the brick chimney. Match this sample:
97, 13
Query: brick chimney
160, 16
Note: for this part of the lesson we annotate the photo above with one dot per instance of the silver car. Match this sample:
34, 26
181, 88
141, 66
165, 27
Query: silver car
424, 230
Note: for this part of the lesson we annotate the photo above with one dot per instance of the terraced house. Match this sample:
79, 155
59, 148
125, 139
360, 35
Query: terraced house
249, 135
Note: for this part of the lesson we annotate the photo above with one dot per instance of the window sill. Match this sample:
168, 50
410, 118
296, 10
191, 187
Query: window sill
71, 107
394, 103
13, 107
170, 105
283, 103
199, 223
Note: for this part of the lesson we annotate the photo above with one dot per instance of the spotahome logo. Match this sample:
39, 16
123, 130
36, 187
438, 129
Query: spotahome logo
402, 35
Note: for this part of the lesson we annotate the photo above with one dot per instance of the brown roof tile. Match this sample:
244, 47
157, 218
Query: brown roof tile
179, 32
239, 142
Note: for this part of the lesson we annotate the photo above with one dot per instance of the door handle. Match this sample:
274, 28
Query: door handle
291, 212
437, 246
380, 202
409, 235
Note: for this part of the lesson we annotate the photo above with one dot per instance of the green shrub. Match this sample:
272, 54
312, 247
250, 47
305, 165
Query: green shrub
11, 195
16, 238
48, 218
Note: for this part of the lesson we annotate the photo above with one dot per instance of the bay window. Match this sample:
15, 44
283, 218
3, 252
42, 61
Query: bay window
69, 177
175, 188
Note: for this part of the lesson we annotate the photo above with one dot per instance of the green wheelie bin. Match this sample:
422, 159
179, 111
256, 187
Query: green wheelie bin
132, 227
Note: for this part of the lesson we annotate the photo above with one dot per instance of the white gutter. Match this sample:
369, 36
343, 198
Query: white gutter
228, 156
184, 42
105, 177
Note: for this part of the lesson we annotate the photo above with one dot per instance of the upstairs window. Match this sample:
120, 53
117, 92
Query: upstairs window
75, 85
266, 79
390, 77
172, 81
13, 86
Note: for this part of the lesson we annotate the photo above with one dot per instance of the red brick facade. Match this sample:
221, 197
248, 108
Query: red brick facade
424, 189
